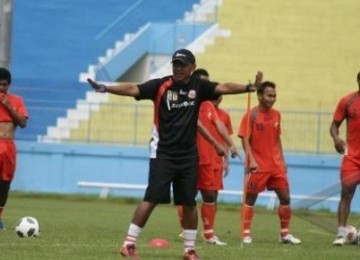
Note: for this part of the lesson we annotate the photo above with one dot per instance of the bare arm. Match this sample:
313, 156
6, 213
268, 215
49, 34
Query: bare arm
220, 150
282, 152
122, 89
234, 88
18, 119
224, 134
250, 163
338, 142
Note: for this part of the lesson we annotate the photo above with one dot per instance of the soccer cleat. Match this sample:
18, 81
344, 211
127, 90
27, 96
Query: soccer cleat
129, 251
191, 255
290, 239
214, 240
247, 240
339, 241
2, 227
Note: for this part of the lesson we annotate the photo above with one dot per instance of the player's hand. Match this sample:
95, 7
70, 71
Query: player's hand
220, 150
233, 152
225, 169
253, 166
253, 87
340, 145
258, 79
4, 100
96, 86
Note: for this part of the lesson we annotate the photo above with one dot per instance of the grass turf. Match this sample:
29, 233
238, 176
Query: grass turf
77, 227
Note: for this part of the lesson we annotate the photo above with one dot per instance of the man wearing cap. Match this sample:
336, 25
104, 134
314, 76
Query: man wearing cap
173, 148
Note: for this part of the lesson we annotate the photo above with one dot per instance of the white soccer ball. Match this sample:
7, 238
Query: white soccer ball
27, 227
351, 235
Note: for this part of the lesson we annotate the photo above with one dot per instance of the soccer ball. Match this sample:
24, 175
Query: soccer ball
27, 227
351, 235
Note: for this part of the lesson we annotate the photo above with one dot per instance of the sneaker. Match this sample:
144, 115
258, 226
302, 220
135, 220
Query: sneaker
128, 251
214, 240
290, 239
2, 227
247, 240
339, 241
191, 255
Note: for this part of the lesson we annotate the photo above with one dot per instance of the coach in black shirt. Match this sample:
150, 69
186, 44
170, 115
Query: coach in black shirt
174, 156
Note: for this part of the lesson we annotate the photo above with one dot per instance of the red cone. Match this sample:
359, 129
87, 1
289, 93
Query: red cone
159, 242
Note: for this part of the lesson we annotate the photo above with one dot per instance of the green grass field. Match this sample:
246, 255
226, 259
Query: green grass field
74, 227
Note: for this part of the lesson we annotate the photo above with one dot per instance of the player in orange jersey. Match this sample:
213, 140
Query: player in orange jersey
211, 166
13, 113
347, 109
266, 168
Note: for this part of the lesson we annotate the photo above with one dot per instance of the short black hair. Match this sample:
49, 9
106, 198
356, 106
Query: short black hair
200, 72
5, 75
265, 84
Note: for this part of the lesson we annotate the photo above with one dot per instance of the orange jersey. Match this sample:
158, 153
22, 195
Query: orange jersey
207, 116
349, 108
264, 135
18, 103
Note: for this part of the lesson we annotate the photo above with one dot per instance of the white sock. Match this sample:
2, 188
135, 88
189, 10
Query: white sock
341, 231
189, 239
132, 235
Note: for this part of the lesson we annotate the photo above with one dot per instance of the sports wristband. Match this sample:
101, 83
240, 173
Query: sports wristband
103, 88
247, 87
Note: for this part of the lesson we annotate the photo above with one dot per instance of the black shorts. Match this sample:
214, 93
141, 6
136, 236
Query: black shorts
182, 174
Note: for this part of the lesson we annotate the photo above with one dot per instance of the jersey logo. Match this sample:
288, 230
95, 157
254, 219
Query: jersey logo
192, 94
182, 92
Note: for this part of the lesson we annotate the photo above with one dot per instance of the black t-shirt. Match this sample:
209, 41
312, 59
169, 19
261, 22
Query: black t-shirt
176, 114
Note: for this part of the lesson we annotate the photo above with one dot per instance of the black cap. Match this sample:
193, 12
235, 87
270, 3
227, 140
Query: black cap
184, 55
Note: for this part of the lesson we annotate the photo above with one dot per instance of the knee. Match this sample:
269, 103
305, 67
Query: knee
209, 197
285, 201
4, 186
347, 194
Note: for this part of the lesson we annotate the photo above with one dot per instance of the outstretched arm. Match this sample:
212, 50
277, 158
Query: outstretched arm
339, 144
234, 88
122, 89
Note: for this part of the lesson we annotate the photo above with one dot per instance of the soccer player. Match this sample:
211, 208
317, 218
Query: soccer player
265, 165
210, 162
347, 109
173, 149
13, 113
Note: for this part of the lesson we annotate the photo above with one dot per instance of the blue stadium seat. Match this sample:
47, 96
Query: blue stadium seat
54, 41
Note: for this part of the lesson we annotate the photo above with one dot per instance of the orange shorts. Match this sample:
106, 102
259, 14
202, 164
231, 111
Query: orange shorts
260, 181
350, 171
7, 160
210, 178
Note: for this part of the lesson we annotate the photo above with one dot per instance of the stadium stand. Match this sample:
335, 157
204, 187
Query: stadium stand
55, 41
110, 64
310, 49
